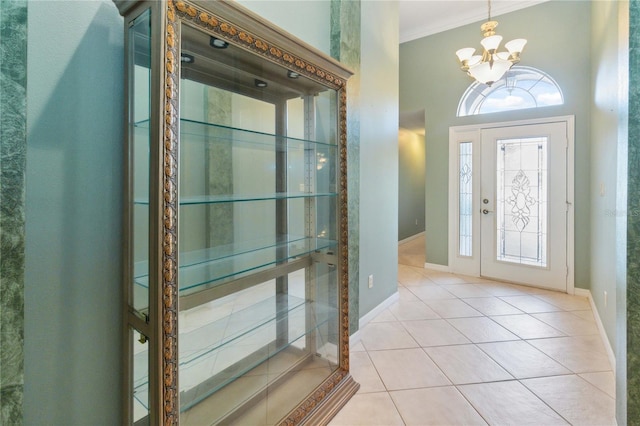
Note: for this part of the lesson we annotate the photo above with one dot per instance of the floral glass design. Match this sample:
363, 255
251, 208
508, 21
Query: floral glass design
465, 204
522, 200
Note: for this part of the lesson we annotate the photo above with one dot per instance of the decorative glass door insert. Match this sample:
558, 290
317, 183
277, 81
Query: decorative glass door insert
465, 206
522, 200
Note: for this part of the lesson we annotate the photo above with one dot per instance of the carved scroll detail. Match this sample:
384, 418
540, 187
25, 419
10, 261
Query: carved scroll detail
213, 24
207, 21
169, 220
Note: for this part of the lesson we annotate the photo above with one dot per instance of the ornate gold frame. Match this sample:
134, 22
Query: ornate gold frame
252, 34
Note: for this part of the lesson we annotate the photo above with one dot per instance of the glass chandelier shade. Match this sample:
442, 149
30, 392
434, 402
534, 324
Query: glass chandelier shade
492, 64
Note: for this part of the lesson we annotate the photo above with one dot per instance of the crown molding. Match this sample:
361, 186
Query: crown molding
454, 18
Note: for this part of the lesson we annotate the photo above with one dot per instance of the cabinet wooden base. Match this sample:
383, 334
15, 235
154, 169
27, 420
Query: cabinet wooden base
330, 406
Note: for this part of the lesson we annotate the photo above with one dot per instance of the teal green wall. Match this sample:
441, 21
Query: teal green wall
378, 153
626, 139
373, 152
74, 191
309, 20
13, 137
604, 146
411, 172
631, 322
559, 44
345, 47
73, 214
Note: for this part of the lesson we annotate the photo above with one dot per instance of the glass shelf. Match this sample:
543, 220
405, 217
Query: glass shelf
214, 265
252, 161
238, 137
257, 329
215, 199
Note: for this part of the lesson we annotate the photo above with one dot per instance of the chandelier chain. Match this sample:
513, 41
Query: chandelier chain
489, 9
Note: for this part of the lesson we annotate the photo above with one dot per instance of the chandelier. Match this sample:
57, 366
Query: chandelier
491, 65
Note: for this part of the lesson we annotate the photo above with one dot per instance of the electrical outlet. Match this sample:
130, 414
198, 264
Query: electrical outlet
370, 281
416, 222
605, 299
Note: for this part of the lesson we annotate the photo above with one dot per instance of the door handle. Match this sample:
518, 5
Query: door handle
485, 211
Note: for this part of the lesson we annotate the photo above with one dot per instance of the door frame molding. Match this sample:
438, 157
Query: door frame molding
472, 133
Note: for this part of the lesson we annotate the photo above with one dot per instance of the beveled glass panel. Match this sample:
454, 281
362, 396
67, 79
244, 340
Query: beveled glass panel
140, 364
140, 110
465, 200
521, 204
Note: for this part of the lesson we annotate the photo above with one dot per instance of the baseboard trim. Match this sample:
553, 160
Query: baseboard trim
436, 267
603, 334
366, 318
413, 237
354, 339
582, 292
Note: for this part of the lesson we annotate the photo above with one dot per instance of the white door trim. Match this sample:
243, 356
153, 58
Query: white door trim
471, 133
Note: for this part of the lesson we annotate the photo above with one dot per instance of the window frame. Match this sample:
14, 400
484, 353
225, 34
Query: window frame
473, 99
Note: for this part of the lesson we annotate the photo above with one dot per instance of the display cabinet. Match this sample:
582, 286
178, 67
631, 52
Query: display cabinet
235, 251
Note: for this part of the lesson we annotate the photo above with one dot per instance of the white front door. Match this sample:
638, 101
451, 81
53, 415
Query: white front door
524, 204
513, 222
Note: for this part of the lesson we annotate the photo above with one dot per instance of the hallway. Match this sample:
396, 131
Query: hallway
457, 350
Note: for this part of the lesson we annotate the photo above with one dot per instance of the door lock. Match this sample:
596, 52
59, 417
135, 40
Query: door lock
485, 201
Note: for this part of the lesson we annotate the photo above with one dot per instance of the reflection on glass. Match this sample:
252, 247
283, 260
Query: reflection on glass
140, 375
522, 189
257, 237
250, 340
140, 39
237, 346
465, 204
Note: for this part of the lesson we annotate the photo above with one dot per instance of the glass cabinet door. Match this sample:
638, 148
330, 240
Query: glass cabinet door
235, 247
140, 150
139, 113
257, 235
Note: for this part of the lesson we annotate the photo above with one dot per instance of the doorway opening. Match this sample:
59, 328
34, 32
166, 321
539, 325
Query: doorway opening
411, 187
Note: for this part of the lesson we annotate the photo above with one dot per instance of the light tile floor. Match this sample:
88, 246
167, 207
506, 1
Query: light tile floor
456, 350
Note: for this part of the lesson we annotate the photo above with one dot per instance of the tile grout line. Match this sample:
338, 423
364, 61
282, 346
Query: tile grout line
545, 402
561, 309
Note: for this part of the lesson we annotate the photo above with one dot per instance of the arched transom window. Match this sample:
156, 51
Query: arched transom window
522, 87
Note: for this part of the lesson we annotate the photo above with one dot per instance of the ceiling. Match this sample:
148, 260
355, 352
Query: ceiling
420, 18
